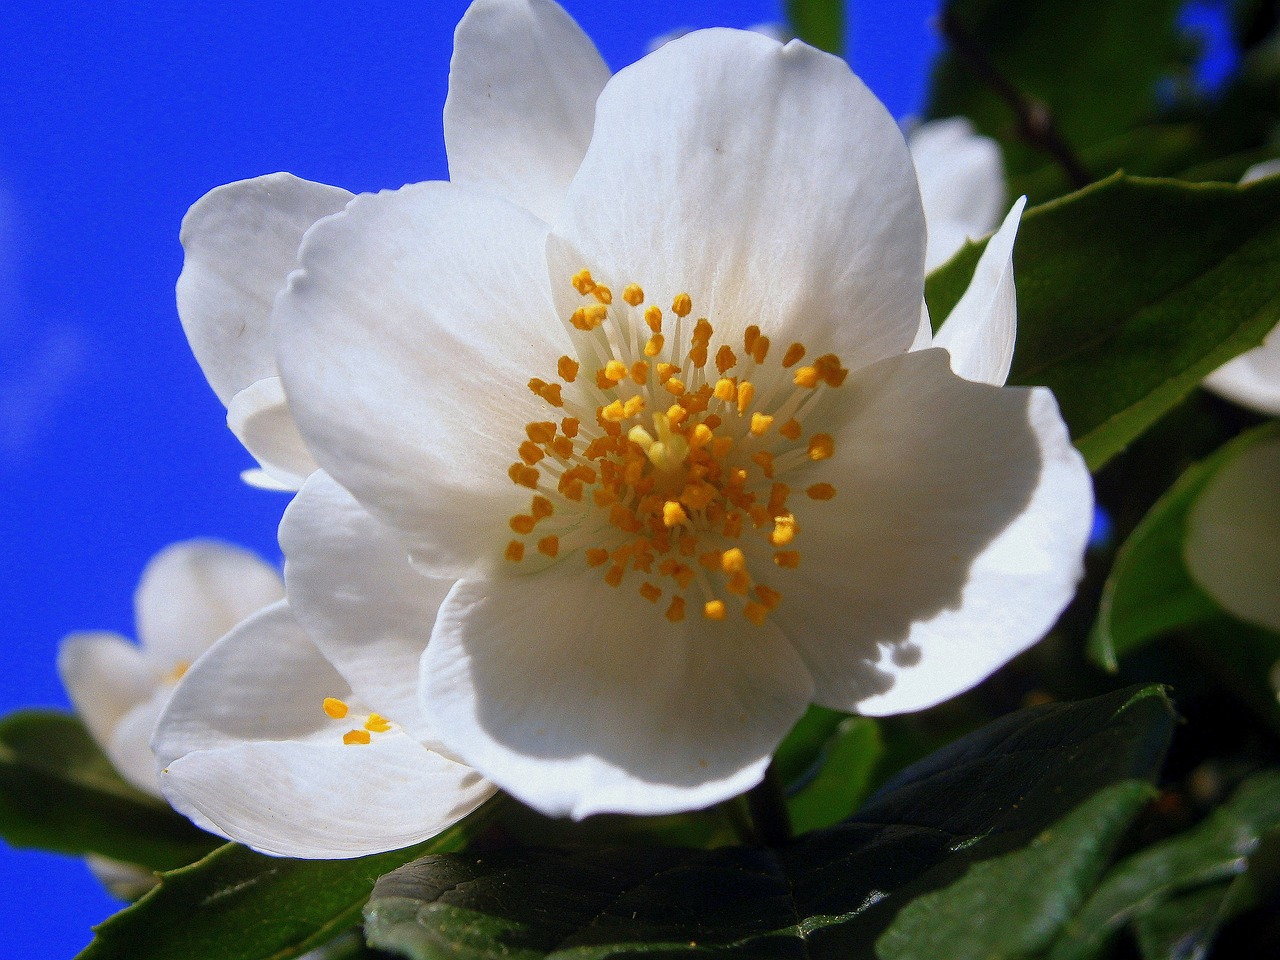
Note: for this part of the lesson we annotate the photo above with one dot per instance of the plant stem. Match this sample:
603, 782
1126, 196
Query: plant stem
1035, 123
768, 805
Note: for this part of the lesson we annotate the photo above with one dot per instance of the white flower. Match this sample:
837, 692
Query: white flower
191, 593
1253, 378
671, 533
1232, 545
299, 733
961, 176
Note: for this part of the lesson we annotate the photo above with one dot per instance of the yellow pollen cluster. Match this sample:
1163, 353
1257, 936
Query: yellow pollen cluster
667, 458
337, 709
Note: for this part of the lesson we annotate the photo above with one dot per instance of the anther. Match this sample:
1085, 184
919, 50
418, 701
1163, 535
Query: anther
756, 613
682, 305
674, 387
541, 431
582, 282
640, 372
760, 349
733, 560
352, 737
550, 546
530, 453
653, 317
760, 424
806, 377
335, 708
650, 592
377, 723
597, 557
615, 370
654, 346
749, 337
713, 610
725, 359
787, 559
791, 430
515, 551
569, 425
603, 294
726, 390
821, 491
675, 612
522, 524
794, 354
633, 294
821, 446
568, 369
784, 530
673, 514
746, 393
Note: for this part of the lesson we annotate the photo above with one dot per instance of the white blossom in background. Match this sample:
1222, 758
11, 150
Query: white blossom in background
639, 383
191, 593
962, 186
1253, 378
299, 733
1232, 544
776, 31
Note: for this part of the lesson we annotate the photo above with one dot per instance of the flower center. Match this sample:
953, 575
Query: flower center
336, 709
670, 461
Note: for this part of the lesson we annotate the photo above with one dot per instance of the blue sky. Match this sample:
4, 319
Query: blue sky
114, 118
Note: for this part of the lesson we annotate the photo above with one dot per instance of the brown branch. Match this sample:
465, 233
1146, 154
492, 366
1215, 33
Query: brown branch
1035, 123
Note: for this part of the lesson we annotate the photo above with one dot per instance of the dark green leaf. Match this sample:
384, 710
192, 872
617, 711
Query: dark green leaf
842, 777
59, 792
1118, 313
1216, 850
239, 905
1014, 905
819, 23
1149, 590
1094, 65
828, 895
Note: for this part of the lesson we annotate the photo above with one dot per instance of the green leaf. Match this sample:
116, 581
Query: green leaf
828, 895
1022, 899
59, 792
1118, 313
842, 778
1149, 590
1094, 65
239, 905
1216, 850
819, 23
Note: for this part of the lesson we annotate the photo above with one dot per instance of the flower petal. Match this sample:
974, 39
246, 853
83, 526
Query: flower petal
272, 771
130, 746
353, 590
961, 184
1253, 378
106, 676
241, 242
765, 181
965, 515
523, 84
1232, 546
579, 698
259, 417
191, 593
979, 332
406, 343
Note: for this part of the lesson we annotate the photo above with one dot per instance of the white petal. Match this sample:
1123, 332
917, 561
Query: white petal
1259, 171
1232, 545
579, 698
979, 332
406, 343
924, 335
961, 184
247, 750
765, 181
954, 541
193, 592
241, 242
353, 590
523, 84
130, 747
1253, 378
259, 416
106, 676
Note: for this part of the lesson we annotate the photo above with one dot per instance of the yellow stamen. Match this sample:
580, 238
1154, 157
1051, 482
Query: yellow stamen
746, 393
530, 453
515, 551
650, 592
640, 372
755, 612
821, 491
597, 557
713, 610
760, 349
654, 346
570, 426
603, 294
335, 708
682, 305
760, 424
541, 508
806, 377
673, 514
549, 546
821, 446
522, 524
733, 561
674, 387
633, 294
726, 390
542, 431
653, 317
582, 282
784, 530
568, 369
725, 359
791, 430
794, 354
377, 723
352, 737
675, 612
788, 559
